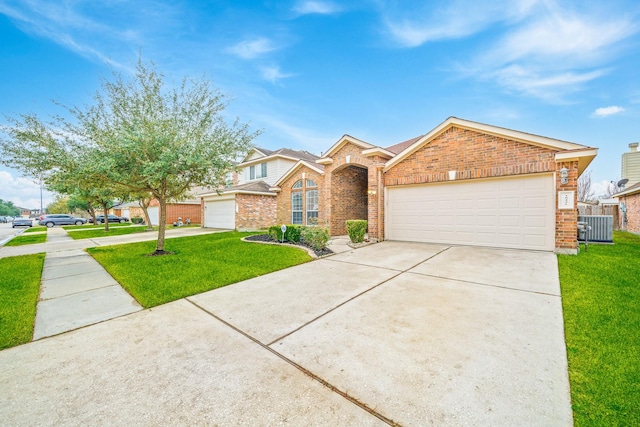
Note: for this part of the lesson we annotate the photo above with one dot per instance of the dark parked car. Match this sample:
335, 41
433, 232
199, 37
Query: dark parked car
110, 218
22, 222
60, 219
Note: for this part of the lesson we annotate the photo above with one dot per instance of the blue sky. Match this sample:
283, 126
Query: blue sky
307, 72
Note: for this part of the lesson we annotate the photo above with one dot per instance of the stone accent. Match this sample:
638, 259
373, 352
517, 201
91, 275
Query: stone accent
255, 211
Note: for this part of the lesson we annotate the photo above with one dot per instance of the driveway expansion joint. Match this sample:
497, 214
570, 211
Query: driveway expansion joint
305, 371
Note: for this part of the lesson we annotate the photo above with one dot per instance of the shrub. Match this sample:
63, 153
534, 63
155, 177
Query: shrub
137, 220
291, 235
356, 228
317, 236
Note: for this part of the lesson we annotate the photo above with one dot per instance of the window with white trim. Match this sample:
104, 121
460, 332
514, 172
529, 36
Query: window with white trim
296, 207
258, 171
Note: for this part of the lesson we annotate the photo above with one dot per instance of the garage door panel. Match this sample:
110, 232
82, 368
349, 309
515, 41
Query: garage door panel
220, 214
506, 212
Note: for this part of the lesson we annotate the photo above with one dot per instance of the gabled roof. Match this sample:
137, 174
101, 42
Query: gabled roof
635, 188
566, 150
313, 166
346, 139
286, 153
401, 146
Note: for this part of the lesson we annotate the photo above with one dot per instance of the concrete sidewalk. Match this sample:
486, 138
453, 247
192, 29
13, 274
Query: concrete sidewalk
392, 333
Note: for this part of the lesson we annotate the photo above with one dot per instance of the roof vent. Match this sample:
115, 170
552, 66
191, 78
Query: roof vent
634, 147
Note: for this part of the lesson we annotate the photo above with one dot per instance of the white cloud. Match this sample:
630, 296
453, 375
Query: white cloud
23, 192
273, 74
250, 49
315, 7
607, 111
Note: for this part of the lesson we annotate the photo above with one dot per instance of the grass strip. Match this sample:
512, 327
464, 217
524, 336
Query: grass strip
199, 263
601, 299
35, 229
19, 290
99, 232
89, 226
29, 239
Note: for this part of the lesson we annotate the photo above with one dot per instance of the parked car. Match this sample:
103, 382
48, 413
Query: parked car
110, 218
22, 222
60, 219
6, 218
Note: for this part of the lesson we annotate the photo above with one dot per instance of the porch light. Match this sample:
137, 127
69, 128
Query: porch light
371, 192
564, 176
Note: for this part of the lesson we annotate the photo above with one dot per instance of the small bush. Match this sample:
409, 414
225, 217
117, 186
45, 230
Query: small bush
291, 235
356, 228
137, 220
317, 237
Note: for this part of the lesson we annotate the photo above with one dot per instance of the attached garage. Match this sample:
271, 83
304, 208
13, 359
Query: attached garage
515, 212
220, 213
154, 214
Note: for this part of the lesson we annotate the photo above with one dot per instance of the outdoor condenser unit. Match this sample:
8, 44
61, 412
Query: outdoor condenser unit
601, 228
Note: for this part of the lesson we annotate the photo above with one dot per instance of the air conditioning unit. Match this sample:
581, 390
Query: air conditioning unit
601, 228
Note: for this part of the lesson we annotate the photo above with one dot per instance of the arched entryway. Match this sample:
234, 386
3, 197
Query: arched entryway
348, 197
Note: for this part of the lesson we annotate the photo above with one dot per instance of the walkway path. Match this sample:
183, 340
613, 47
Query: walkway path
77, 291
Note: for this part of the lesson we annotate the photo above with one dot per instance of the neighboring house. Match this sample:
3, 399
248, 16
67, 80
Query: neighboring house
629, 208
462, 183
188, 208
631, 164
251, 204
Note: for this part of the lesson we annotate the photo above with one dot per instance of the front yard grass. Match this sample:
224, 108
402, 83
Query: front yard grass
19, 290
90, 226
601, 304
200, 263
99, 232
37, 229
28, 239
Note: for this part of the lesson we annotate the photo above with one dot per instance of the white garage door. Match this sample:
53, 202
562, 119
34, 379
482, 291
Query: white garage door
154, 215
220, 214
505, 212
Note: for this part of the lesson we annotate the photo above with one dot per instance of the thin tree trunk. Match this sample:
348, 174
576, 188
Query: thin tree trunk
163, 219
106, 218
144, 204
92, 212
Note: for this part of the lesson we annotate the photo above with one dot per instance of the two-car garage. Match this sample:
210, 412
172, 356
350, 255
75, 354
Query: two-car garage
515, 212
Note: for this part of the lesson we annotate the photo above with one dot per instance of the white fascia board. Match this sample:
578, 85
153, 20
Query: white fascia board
266, 159
379, 151
294, 168
527, 138
324, 161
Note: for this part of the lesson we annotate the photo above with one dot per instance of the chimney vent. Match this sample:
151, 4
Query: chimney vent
634, 147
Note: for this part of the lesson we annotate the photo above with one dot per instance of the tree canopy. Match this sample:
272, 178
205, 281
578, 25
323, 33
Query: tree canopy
7, 208
137, 137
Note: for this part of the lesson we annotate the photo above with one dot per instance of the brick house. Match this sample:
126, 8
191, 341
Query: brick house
629, 208
462, 183
248, 203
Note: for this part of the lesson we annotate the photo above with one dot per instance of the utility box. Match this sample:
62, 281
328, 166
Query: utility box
601, 228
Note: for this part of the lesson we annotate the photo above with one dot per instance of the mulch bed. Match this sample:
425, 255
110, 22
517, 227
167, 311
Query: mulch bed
267, 238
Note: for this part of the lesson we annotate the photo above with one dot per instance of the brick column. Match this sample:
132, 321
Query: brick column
567, 219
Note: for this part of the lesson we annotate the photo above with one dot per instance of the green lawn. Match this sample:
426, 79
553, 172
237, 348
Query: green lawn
27, 239
89, 226
99, 232
601, 303
19, 290
36, 229
200, 263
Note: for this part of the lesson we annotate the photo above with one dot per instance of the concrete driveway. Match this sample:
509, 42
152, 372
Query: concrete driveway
392, 333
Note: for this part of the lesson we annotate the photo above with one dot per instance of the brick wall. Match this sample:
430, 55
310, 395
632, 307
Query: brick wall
184, 211
348, 197
633, 212
283, 214
346, 183
567, 219
472, 155
255, 212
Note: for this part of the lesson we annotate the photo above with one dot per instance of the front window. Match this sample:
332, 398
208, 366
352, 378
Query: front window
312, 206
296, 207
258, 171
